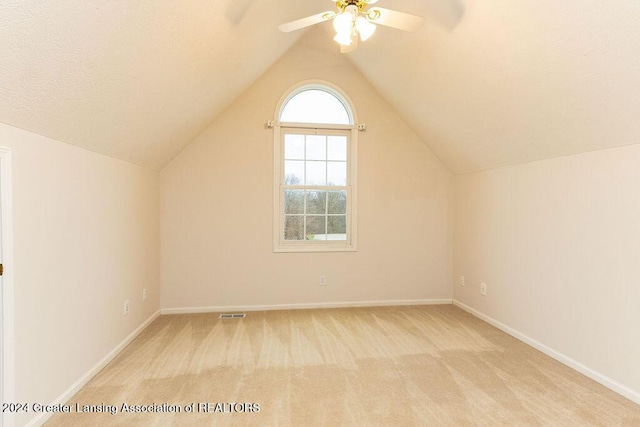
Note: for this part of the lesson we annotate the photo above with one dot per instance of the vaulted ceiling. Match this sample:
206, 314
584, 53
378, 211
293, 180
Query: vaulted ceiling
485, 84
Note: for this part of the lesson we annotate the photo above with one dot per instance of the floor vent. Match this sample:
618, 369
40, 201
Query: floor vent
233, 316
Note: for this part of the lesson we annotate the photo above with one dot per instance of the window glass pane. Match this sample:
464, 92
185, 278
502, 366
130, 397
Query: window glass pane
293, 227
315, 106
337, 227
337, 148
316, 202
294, 147
316, 173
293, 172
337, 202
336, 173
316, 228
294, 201
316, 147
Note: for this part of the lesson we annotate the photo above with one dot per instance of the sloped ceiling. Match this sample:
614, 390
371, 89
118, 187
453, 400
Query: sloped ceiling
485, 84
515, 81
136, 80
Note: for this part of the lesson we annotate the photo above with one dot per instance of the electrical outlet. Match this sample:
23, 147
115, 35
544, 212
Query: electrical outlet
323, 281
483, 289
126, 307
144, 294
461, 280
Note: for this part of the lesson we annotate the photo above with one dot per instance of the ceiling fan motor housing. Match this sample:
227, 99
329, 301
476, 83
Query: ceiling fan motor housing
360, 4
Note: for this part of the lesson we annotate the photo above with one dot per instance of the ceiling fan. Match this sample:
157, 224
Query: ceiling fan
353, 20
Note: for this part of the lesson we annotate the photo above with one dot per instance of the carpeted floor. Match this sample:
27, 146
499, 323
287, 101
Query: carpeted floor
383, 366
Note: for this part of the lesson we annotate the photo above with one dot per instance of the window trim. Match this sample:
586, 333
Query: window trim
279, 129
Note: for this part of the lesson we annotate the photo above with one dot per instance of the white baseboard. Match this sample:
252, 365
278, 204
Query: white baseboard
611, 384
234, 308
75, 387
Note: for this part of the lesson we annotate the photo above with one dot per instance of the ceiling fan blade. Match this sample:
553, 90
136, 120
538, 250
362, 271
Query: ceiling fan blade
306, 22
394, 19
353, 46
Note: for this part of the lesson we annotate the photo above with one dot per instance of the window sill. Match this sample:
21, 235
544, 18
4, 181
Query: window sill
298, 248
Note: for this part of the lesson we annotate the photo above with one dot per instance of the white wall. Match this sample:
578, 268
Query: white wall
86, 237
558, 244
217, 205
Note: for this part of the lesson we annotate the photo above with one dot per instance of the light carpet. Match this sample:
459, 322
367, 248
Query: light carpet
382, 366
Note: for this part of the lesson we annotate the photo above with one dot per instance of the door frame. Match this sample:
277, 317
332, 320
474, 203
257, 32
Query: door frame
6, 242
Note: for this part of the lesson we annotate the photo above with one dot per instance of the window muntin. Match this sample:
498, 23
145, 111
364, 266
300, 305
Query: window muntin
315, 159
315, 172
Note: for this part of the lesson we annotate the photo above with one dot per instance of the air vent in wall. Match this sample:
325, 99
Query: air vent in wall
233, 316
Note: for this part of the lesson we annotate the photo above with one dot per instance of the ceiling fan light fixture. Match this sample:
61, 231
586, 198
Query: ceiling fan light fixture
353, 20
343, 38
343, 23
365, 28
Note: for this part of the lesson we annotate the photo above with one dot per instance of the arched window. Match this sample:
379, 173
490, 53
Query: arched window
314, 164
315, 106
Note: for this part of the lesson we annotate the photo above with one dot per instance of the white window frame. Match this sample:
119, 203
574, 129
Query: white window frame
351, 131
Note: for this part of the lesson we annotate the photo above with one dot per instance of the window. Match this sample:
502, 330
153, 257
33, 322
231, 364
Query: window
314, 171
